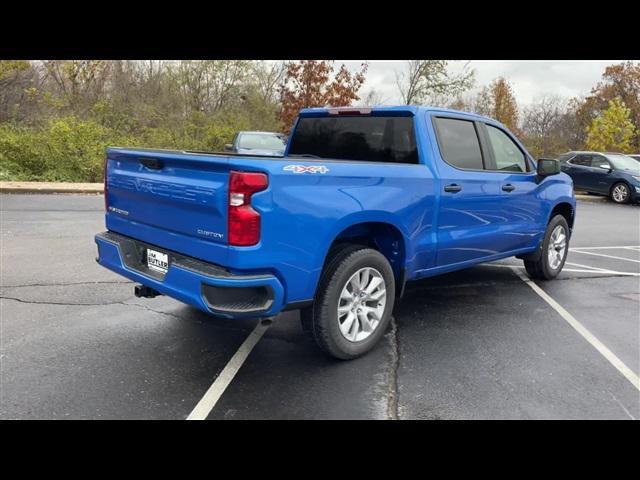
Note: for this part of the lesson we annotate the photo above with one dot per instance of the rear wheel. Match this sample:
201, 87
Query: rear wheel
353, 304
555, 248
620, 193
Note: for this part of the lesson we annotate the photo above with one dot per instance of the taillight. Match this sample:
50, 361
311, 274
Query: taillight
104, 181
244, 221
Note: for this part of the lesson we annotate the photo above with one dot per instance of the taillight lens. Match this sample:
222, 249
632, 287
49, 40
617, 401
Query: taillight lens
244, 221
104, 181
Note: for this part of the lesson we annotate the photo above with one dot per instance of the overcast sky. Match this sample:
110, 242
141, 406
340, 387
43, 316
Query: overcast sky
529, 78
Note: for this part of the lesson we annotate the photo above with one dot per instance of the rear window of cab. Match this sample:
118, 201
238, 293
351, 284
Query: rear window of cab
360, 138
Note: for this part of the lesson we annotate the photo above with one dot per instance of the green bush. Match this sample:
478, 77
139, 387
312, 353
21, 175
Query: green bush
19, 156
66, 149
69, 149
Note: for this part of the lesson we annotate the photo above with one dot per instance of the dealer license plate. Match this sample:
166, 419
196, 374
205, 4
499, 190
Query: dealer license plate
157, 261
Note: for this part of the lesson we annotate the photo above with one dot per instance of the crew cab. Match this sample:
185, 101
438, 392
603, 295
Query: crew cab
363, 201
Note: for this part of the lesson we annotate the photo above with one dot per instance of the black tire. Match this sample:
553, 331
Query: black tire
541, 269
624, 187
321, 319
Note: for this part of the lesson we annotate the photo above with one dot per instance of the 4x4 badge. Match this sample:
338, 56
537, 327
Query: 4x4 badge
306, 168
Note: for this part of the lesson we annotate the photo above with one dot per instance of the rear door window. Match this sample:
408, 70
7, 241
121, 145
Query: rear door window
359, 138
581, 161
459, 143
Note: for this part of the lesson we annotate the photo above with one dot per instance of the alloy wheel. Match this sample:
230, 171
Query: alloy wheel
557, 247
361, 304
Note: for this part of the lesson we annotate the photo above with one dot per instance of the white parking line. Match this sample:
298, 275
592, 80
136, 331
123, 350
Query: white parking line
586, 334
573, 270
603, 255
593, 269
596, 270
602, 270
206, 403
604, 248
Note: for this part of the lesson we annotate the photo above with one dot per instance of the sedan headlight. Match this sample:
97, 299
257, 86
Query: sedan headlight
637, 178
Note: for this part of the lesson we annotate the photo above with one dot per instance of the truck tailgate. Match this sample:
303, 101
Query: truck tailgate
176, 193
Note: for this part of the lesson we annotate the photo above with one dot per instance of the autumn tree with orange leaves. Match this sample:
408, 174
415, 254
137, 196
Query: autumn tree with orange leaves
505, 108
309, 83
618, 81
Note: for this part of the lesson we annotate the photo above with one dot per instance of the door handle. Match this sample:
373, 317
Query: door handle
508, 187
152, 163
453, 188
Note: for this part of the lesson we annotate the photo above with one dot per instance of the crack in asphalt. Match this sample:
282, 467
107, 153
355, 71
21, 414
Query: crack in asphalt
160, 312
392, 392
75, 304
120, 302
39, 302
593, 277
49, 211
67, 284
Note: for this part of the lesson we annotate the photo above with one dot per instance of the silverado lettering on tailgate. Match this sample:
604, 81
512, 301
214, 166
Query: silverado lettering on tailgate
174, 191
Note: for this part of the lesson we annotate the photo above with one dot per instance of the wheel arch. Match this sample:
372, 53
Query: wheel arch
566, 210
385, 237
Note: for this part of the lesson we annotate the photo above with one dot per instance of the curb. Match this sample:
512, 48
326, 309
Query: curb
591, 198
50, 187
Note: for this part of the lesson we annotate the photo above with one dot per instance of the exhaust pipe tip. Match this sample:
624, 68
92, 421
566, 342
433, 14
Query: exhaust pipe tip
142, 291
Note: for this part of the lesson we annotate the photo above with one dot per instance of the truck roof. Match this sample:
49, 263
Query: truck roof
412, 109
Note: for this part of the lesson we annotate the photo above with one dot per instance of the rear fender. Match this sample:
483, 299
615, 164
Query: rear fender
349, 225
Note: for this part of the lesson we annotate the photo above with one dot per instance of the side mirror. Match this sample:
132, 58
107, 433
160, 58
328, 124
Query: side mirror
228, 147
605, 167
548, 166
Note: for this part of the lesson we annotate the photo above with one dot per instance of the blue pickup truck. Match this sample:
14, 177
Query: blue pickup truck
363, 201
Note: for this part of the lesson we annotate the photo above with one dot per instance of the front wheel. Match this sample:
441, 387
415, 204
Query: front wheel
353, 304
555, 248
620, 193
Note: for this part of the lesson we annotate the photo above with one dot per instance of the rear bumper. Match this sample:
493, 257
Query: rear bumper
209, 287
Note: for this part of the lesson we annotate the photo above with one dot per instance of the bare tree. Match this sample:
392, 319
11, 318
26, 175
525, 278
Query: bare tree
267, 78
79, 83
20, 83
541, 125
424, 78
373, 97
207, 85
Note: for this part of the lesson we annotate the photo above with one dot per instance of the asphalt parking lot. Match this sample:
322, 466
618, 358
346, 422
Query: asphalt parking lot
482, 343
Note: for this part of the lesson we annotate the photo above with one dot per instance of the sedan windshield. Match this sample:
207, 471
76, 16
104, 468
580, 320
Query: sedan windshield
623, 162
261, 141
